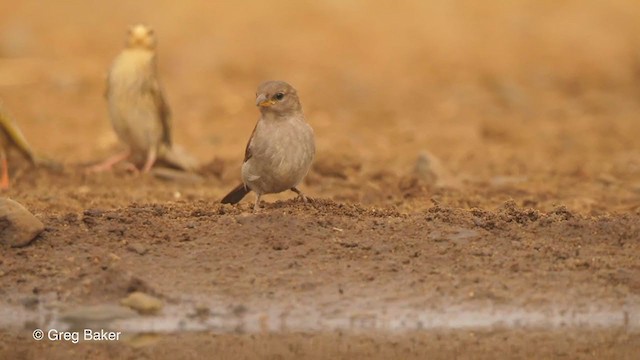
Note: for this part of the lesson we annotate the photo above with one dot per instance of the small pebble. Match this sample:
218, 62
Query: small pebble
137, 248
142, 303
18, 227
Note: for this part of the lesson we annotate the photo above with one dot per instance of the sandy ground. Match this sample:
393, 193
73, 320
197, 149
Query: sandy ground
474, 155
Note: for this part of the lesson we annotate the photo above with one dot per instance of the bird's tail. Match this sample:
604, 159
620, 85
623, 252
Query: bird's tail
236, 194
177, 158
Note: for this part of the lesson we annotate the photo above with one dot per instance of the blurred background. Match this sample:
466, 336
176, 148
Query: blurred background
530, 99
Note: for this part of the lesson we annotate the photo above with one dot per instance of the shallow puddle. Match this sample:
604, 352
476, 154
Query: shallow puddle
221, 317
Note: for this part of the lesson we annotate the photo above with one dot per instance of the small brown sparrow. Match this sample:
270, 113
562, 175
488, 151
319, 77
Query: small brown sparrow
281, 148
139, 112
11, 137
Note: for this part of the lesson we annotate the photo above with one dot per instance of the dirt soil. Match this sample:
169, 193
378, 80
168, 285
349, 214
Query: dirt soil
469, 154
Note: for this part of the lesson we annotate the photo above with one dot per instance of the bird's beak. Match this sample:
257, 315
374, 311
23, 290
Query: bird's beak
263, 101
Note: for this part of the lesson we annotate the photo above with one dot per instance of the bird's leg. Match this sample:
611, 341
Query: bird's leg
108, 164
152, 155
4, 180
256, 206
131, 167
300, 194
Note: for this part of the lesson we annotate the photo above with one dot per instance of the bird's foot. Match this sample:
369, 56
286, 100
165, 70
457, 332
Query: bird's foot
151, 159
131, 168
302, 196
258, 210
108, 164
256, 205
98, 168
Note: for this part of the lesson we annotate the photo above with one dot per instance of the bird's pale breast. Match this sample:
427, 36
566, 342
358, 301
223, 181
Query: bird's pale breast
133, 111
282, 153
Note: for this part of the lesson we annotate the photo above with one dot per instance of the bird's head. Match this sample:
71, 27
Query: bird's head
278, 98
141, 36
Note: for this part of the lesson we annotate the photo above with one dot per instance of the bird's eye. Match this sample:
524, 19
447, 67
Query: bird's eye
279, 96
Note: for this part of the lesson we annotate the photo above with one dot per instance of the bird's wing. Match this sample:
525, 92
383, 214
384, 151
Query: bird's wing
15, 136
164, 113
247, 150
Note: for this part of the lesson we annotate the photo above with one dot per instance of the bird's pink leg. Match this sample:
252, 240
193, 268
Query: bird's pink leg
108, 164
256, 205
152, 155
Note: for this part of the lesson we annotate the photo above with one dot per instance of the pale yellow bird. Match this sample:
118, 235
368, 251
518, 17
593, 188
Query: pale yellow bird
139, 112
